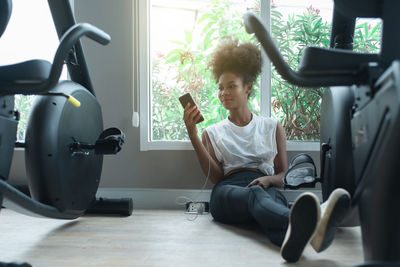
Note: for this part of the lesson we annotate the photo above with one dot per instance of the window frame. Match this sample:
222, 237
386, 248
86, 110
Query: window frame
142, 83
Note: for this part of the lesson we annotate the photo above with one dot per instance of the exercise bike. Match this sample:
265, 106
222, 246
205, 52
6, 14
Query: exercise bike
360, 120
65, 140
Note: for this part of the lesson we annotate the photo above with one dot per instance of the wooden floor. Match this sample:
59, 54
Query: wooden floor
155, 238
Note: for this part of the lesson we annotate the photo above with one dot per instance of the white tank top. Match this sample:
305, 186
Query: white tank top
250, 146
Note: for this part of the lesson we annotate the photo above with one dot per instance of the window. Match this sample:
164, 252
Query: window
173, 60
30, 34
176, 39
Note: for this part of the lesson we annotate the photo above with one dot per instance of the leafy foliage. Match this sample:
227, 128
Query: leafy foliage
190, 63
298, 109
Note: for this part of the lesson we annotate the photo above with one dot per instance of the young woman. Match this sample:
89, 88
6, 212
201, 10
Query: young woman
245, 157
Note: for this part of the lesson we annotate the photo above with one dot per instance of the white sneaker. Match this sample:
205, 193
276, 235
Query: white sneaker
303, 221
334, 211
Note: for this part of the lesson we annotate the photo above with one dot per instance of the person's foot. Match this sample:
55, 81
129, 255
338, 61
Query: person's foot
333, 212
303, 220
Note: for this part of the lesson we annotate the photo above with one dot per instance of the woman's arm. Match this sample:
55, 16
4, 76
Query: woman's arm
208, 161
204, 149
280, 163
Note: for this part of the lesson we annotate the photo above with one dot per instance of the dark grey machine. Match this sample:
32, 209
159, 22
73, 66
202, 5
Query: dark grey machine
360, 119
64, 144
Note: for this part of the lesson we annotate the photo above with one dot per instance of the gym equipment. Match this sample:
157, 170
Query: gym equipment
360, 119
122, 206
305, 176
65, 141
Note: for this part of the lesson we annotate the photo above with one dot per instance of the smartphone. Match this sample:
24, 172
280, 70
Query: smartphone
187, 98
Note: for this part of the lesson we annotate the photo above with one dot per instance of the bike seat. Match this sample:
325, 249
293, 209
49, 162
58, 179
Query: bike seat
317, 60
32, 71
5, 14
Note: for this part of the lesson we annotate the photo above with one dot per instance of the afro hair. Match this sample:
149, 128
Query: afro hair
242, 59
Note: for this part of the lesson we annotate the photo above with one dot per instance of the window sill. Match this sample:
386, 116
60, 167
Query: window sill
186, 145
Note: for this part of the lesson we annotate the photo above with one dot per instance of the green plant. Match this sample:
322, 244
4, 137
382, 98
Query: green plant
189, 60
367, 37
297, 108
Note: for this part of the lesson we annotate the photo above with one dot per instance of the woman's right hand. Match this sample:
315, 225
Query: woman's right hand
191, 115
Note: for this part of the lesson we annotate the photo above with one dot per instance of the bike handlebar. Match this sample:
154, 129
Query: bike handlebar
67, 41
254, 25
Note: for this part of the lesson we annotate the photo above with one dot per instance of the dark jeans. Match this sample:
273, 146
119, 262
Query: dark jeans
233, 203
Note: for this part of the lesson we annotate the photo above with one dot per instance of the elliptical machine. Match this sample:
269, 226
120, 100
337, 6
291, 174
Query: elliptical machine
65, 141
360, 119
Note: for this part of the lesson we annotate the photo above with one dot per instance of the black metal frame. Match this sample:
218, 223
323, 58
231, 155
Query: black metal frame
69, 51
64, 19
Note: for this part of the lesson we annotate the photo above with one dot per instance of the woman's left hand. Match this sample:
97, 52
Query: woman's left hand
263, 181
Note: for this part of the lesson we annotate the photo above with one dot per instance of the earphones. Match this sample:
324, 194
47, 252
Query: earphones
184, 199
187, 199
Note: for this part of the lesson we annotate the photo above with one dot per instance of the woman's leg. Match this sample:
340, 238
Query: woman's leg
233, 202
229, 204
269, 209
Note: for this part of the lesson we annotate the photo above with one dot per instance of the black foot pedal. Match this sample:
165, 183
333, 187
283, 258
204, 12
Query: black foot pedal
110, 142
108, 206
296, 178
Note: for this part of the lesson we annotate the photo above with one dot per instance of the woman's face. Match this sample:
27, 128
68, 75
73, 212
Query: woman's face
232, 93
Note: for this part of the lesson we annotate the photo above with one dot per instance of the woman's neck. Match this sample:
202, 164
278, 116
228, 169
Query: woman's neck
240, 117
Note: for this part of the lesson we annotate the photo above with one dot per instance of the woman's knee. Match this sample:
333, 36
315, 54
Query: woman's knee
228, 203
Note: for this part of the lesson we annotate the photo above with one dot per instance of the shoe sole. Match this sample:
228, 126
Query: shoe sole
338, 207
303, 220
